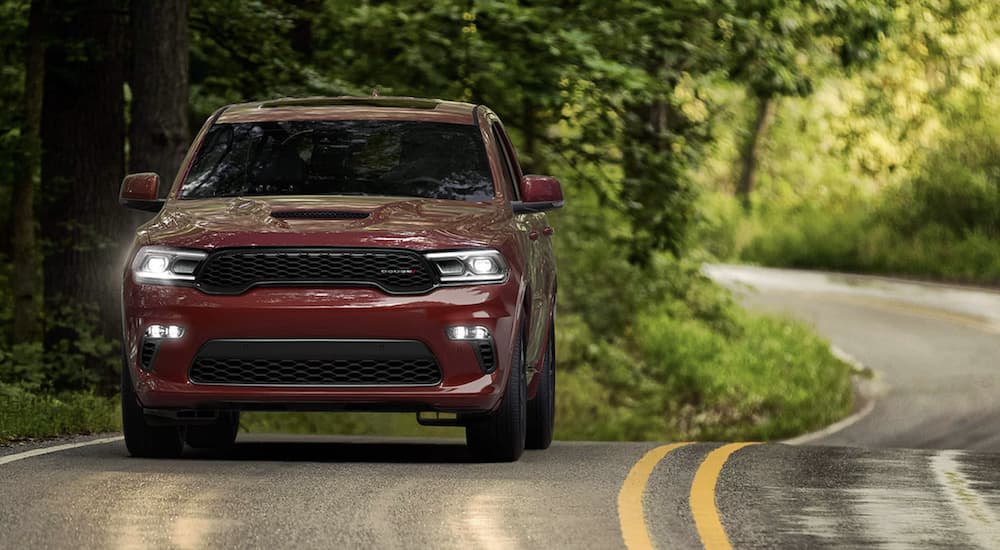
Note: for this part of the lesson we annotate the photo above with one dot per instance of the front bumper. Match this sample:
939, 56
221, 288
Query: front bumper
320, 314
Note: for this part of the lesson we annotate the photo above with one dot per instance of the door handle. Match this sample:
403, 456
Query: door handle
533, 235
548, 231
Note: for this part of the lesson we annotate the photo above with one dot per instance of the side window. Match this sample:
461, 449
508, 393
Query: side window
510, 176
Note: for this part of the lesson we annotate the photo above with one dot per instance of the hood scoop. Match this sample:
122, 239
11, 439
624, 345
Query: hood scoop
319, 214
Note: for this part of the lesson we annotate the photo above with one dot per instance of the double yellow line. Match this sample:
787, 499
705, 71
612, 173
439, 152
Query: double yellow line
702, 499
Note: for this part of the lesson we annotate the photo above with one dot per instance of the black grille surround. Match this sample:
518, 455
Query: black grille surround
236, 270
320, 363
147, 354
486, 355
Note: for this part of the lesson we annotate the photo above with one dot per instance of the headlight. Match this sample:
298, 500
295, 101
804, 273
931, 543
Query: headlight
161, 265
469, 266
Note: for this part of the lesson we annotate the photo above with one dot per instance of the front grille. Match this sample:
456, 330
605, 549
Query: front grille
315, 363
316, 372
235, 270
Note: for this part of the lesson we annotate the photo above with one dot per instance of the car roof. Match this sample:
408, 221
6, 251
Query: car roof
351, 108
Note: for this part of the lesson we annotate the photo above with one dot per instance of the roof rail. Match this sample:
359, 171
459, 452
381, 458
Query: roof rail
378, 101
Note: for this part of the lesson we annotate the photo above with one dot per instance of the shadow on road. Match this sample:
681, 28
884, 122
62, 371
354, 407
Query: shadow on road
341, 451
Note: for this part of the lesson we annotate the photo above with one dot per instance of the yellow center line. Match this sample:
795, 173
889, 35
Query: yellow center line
630, 514
703, 509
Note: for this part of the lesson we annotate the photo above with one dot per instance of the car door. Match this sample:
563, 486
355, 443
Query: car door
539, 269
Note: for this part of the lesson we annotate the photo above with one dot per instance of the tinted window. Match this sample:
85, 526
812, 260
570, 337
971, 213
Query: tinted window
346, 157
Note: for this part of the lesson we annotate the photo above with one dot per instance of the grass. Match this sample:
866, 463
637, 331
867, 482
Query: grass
771, 378
24, 415
765, 379
863, 242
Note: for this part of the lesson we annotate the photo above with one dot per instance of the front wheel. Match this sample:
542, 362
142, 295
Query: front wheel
141, 439
500, 436
542, 409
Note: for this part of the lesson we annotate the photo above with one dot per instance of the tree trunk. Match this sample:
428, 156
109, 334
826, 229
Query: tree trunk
301, 34
25, 284
751, 154
159, 136
83, 162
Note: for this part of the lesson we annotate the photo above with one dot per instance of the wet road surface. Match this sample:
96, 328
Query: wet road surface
918, 469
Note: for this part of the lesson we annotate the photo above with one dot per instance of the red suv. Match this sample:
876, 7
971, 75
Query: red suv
371, 254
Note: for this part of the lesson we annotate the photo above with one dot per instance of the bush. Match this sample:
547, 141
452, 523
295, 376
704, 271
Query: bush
677, 376
773, 379
957, 189
943, 223
721, 228
27, 415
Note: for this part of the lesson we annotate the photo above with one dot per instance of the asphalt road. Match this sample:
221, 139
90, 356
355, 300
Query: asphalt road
885, 480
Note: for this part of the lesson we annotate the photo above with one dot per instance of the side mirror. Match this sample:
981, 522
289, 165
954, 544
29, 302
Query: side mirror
140, 191
538, 194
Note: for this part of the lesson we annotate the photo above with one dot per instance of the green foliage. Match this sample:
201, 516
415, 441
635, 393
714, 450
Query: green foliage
20, 365
75, 343
13, 22
27, 415
62, 366
719, 226
891, 170
780, 47
239, 50
943, 224
958, 188
759, 383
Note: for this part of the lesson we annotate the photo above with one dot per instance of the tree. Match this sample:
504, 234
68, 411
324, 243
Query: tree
25, 287
646, 62
780, 47
159, 135
750, 157
242, 50
83, 162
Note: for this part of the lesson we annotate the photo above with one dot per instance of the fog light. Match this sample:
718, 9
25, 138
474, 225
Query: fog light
171, 332
468, 333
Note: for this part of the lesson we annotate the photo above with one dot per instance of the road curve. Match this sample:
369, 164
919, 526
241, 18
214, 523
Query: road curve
853, 489
936, 349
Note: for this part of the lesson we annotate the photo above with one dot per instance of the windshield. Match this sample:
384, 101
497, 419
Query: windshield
343, 157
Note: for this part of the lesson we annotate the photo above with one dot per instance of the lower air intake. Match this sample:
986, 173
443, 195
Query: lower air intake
315, 363
147, 354
486, 354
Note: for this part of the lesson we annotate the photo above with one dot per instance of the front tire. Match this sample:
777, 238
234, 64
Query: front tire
500, 436
141, 439
542, 409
